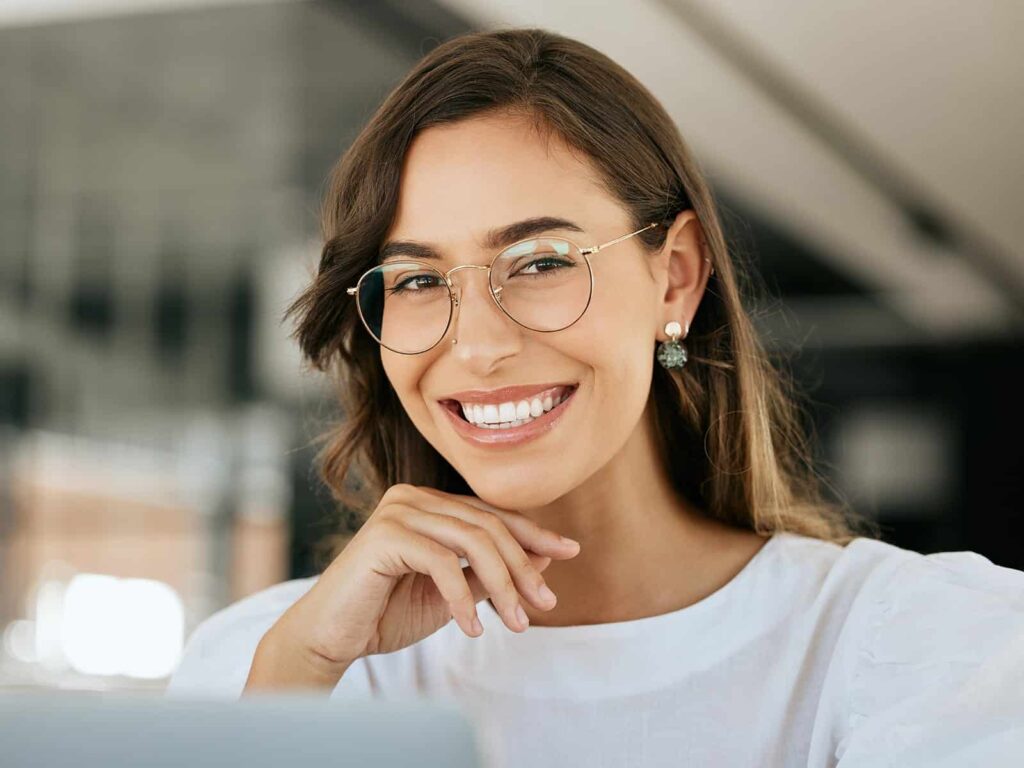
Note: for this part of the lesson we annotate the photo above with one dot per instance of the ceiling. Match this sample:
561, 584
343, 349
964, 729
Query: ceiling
881, 136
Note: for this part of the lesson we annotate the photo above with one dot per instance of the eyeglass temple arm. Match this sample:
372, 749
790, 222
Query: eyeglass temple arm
596, 248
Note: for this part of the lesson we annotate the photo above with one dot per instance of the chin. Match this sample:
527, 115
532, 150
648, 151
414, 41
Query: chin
513, 494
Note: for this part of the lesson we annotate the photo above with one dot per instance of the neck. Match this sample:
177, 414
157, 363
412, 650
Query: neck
644, 550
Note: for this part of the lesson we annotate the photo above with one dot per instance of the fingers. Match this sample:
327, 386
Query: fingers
528, 533
511, 547
480, 592
496, 558
422, 554
506, 551
477, 586
526, 576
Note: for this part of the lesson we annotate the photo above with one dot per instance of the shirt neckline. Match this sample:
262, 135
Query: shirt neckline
688, 615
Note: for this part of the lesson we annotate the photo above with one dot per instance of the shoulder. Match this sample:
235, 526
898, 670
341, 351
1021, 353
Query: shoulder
940, 609
868, 559
219, 651
829, 578
939, 640
883, 584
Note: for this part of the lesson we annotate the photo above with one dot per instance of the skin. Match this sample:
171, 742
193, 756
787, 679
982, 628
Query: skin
644, 551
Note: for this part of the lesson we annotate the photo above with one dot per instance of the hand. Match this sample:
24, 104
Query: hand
399, 578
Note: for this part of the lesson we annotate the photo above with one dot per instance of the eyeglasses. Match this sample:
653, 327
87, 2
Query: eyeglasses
542, 283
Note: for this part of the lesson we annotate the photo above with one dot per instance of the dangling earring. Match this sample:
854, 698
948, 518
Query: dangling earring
672, 354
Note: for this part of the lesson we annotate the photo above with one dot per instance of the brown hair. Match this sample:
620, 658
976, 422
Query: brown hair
730, 434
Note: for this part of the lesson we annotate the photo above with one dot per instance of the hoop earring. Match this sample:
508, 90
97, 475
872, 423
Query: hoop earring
672, 353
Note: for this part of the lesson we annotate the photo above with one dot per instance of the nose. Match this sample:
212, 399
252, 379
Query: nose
481, 334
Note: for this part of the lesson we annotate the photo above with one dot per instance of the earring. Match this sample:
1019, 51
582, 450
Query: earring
672, 354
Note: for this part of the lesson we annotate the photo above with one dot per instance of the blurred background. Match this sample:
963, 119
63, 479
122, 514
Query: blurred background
161, 163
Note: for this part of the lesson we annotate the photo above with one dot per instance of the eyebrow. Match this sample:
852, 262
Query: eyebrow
493, 240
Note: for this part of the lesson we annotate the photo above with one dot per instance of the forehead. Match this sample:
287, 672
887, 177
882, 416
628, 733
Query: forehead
462, 179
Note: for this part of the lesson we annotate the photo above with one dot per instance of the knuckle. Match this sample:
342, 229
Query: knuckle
397, 491
392, 531
508, 586
448, 558
479, 537
395, 510
459, 524
525, 566
488, 521
385, 508
481, 518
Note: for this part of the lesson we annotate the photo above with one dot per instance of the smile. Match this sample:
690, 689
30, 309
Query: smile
511, 422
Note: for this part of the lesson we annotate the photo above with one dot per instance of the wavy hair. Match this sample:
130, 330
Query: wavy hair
728, 426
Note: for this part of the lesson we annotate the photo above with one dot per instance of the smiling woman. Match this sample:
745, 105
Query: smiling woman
546, 128
505, 380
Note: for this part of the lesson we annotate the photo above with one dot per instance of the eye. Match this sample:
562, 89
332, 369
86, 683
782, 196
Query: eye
405, 285
552, 264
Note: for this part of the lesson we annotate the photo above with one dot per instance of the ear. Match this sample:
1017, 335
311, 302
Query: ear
683, 272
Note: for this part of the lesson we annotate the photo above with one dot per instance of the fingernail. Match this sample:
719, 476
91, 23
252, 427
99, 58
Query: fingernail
524, 620
546, 594
567, 540
477, 626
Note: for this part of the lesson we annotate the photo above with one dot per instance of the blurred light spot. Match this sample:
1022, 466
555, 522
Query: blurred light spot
897, 457
132, 627
49, 605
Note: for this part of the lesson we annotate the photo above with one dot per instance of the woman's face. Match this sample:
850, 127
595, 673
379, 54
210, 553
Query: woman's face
462, 180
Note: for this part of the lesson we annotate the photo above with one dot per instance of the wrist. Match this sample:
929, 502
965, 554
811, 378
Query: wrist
281, 662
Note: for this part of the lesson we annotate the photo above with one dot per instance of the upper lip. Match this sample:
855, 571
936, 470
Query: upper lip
503, 394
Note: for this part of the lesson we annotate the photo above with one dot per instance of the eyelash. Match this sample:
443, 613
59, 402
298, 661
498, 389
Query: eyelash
400, 288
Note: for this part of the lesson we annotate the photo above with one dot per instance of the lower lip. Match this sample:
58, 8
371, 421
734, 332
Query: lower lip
513, 435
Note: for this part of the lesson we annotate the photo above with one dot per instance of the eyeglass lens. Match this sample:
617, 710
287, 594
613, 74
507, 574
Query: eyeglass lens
543, 284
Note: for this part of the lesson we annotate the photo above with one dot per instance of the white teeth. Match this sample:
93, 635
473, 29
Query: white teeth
510, 414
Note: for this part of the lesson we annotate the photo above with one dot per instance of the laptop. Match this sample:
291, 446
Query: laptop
75, 730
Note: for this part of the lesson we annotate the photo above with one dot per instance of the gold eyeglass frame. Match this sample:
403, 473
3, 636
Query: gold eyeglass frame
585, 252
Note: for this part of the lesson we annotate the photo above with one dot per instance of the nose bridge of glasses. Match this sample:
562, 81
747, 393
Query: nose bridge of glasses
450, 272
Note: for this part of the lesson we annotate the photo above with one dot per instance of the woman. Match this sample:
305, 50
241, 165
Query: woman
508, 383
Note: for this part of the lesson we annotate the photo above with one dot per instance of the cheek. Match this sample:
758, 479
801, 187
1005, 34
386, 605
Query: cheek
404, 373
615, 340
619, 325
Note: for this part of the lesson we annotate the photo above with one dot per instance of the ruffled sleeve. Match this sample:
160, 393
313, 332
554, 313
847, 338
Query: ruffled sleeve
938, 678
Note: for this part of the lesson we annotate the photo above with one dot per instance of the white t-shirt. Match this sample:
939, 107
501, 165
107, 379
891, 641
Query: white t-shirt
813, 655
